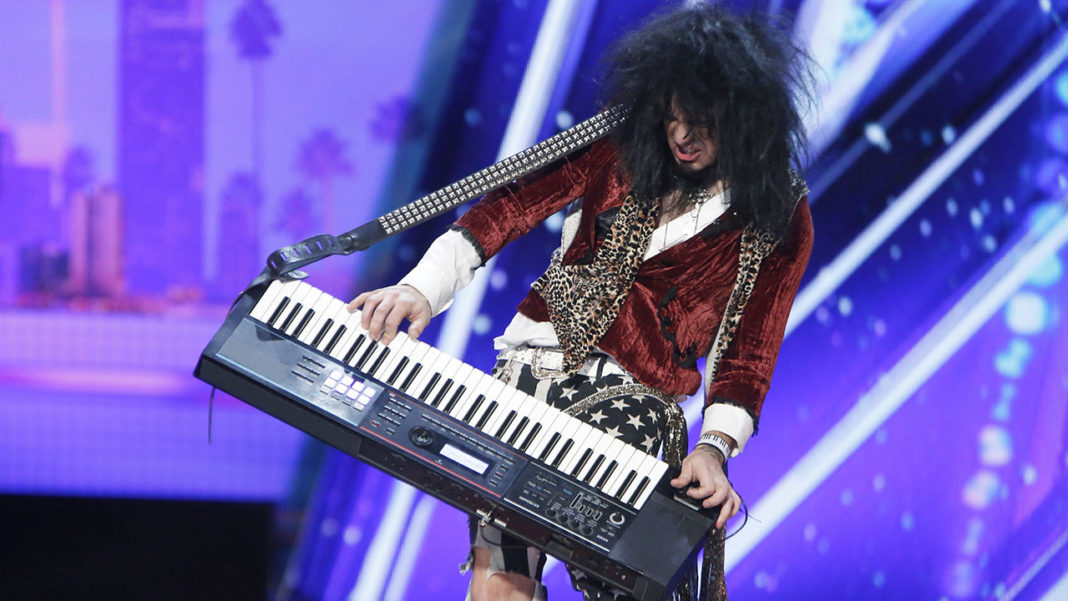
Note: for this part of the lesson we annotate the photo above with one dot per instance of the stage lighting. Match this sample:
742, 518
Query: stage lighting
1027, 313
1057, 132
995, 446
1052, 176
981, 489
1048, 273
1060, 85
1012, 361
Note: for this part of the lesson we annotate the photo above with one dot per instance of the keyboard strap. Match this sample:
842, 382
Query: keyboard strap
289, 259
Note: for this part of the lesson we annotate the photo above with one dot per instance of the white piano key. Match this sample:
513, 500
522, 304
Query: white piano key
524, 408
339, 323
324, 313
594, 441
517, 404
602, 448
416, 356
624, 459
354, 351
335, 312
373, 365
460, 378
560, 450
491, 393
318, 319
363, 357
552, 421
448, 372
583, 432
481, 383
644, 469
303, 298
285, 306
600, 476
419, 371
498, 392
442, 369
352, 331
268, 302
491, 410
432, 364
474, 385
504, 405
398, 349
638, 464
473, 408
654, 478
540, 413
535, 412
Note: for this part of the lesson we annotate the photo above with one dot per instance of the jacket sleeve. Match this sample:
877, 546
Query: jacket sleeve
744, 373
513, 210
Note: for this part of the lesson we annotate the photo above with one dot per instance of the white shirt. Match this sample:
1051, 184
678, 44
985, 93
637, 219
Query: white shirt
450, 263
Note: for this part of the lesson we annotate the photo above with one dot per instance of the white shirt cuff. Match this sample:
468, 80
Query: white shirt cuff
448, 265
730, 420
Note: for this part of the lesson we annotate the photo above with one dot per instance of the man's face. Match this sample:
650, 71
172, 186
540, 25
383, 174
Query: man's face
692, 148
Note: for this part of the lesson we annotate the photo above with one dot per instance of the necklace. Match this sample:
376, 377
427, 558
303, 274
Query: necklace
697, 200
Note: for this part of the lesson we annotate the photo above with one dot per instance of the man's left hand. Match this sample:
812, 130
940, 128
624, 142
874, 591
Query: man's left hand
704, 468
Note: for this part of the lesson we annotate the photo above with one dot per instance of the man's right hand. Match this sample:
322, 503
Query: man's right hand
384, 310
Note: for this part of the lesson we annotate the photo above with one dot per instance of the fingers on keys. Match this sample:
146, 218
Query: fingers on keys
385, 309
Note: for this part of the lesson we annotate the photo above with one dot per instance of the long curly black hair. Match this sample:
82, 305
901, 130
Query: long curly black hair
741, 77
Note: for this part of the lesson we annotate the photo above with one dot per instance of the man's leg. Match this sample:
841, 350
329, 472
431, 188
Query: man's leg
488, 585
504, 569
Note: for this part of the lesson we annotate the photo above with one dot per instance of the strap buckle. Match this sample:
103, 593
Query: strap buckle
537, 367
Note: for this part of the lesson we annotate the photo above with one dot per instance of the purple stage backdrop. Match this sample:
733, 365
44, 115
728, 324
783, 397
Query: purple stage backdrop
153, 152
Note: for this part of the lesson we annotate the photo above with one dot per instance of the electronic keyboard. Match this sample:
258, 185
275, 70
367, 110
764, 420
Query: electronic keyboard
461, 435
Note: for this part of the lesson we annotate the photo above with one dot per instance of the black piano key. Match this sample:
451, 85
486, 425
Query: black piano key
474, 407
303, 323
555, 438
530, 437
485, 416
504, 424
429, 386
440, 396
455, 397
397, 371
607, 474
518, 430
638, 491
411, 376
289, 319
563, 451
626, 483
378, 362
371, 348
581, 462
334, 340
597, 463
356, 344
278, 311
322, 332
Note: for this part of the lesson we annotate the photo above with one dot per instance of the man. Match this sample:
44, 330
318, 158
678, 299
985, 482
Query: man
691, 216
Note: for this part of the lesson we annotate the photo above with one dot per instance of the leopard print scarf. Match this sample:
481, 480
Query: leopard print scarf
584, 300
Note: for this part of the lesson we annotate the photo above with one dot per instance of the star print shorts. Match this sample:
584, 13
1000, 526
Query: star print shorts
615, 403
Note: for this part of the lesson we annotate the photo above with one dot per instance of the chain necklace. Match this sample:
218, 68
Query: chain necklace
696, 201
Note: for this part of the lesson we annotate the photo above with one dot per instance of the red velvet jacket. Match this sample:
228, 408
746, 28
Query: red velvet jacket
672, 313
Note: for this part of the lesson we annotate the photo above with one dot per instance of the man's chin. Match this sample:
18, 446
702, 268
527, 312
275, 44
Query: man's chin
690, 173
